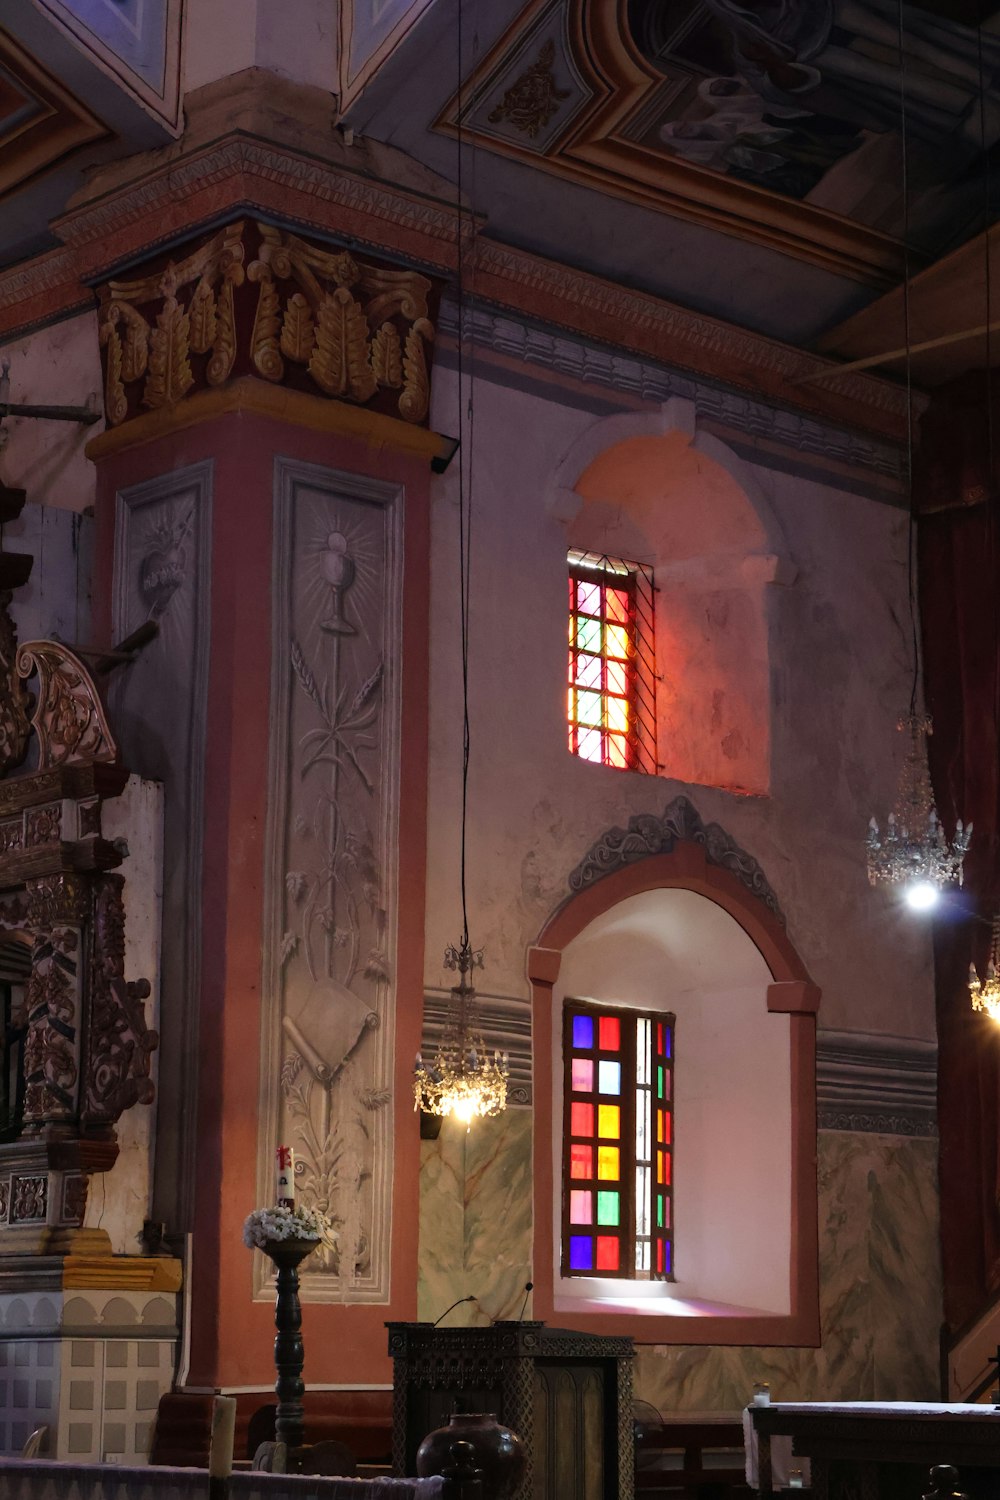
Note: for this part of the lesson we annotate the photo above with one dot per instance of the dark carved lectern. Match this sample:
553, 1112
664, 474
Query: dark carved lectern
567, 1395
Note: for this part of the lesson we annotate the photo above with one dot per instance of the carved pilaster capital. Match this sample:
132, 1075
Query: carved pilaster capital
62, 900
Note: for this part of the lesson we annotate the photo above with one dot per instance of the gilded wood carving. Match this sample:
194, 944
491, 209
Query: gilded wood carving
258, 300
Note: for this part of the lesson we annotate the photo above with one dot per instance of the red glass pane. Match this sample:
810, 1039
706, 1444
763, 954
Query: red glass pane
659, 1256
666, 1128
609, 1032
581, 1161
665, 1160
659, 1037
616, 605
581, 1119
608, 1253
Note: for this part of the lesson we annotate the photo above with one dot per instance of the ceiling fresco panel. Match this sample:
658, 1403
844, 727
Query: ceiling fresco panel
136, 40
779, 121
370, 30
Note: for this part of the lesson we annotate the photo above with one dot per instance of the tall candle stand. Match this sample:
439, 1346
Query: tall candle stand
289, 1387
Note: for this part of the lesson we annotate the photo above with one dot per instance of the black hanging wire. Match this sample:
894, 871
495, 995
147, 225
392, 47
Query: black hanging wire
912, 529
991, 517
464, 245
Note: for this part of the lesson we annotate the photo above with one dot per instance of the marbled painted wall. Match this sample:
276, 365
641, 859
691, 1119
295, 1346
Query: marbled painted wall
878, 1211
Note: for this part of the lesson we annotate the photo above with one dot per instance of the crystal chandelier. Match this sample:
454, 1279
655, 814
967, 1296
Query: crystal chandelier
462, 1080
985, 993
915, 853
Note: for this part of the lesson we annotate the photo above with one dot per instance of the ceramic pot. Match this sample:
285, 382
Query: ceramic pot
499, 1452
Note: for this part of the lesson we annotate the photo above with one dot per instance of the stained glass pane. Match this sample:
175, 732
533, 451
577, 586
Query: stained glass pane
668, 1257
666, 1084
587, 671
583, 1075
618, 678
588, 597
609, 1122
666, 1127
588, 708
609, 1033
659, 1037
608, 1253
659, 1210
588, 635
590, 745
581, 1161
609, 1078
659, 1125
581, 1119
659, 1082
616, 605
659, 1167
666, 1214
608, 1163
665, 1160
616, 640
581, 1252
665, 1049
583, 1031
659, 1256
608, 1208
618, 715
581, 1207
642, 1029
618, 751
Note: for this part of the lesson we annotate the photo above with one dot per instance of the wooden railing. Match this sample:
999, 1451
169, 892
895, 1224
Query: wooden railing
692, 1461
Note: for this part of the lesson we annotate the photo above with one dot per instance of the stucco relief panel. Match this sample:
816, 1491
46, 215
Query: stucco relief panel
329, 954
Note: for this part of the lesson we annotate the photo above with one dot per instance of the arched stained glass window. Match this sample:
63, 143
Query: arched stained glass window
618, 1143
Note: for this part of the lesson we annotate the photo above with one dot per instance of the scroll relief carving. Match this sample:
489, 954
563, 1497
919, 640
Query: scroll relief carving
534, 97
68, 718
331, 954
648, 834
257, 300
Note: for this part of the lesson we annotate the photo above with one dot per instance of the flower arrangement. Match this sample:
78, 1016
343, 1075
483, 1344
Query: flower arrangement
270, 1226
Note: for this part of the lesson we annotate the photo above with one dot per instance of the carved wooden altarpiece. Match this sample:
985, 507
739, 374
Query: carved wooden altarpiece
76, 1047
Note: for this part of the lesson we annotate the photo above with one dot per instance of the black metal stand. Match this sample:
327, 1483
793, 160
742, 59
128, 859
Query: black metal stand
289, 1387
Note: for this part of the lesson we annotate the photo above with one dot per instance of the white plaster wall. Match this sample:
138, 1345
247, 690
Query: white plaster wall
225, 36
119, 1200
675, 950
56, 366
839, 673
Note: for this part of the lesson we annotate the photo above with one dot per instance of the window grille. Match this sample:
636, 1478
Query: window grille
612, 678
618, 1143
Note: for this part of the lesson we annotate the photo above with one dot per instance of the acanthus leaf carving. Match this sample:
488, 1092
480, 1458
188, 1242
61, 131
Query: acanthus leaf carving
346, 321
264, 347
203, 317
52, 1018
14, 724
298, 332
169, 376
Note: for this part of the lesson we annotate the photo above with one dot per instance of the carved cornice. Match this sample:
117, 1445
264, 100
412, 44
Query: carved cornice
648, 834
876, 1084
242, 175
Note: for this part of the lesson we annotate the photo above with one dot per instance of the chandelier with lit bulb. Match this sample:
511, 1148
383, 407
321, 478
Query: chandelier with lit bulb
985, 993
463, 1080
914, 852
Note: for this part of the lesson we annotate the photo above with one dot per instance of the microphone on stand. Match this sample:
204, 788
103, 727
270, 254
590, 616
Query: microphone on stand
528, 1287
457, 1303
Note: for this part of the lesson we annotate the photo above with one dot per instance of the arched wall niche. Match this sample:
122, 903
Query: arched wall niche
697, 875
651, 488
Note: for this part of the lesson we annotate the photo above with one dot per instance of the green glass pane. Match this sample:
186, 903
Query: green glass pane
588, 708
588, 635
659, 1210
607, 1209
659, 1082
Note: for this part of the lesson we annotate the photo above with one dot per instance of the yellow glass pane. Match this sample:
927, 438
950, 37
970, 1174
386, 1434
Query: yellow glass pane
608, 1163
616, 641
617, 750
609, 1121
618, 715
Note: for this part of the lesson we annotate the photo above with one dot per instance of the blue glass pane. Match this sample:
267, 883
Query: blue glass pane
581, 1252
667, 1254
666, 1042
583, 1031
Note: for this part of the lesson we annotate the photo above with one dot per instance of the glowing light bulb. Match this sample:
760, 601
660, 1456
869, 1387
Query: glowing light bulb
463, 1109
922, 895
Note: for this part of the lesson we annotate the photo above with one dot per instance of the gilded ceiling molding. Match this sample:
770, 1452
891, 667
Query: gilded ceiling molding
648, 834
596, 139
223, 179
252, 300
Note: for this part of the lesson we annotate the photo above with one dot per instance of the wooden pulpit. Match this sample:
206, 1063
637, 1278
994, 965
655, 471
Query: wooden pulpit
567, 1395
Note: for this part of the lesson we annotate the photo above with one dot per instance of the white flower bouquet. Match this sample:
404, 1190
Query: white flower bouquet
271, 1226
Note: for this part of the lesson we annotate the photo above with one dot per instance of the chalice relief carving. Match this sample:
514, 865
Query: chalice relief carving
333, 953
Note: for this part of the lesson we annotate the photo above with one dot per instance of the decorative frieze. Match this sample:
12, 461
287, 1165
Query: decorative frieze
255, 300
877, 1085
